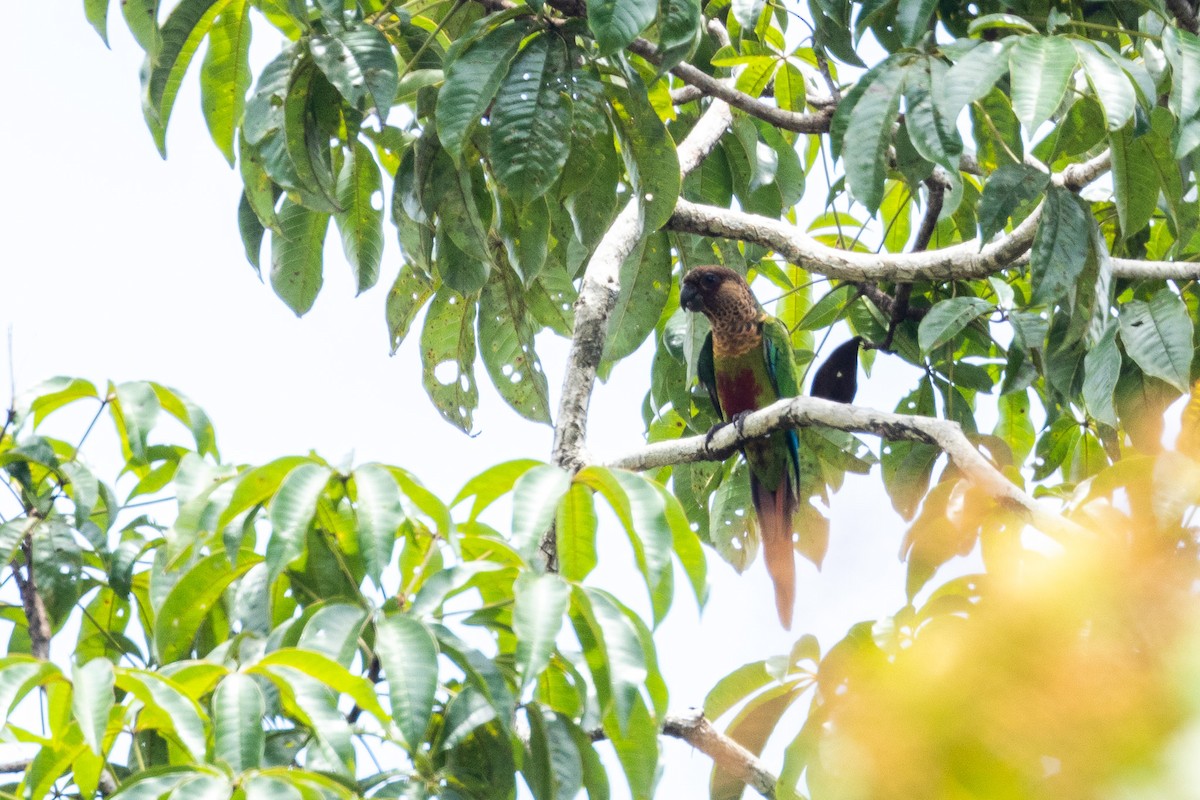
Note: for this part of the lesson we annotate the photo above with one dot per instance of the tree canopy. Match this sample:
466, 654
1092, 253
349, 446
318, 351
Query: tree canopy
1000, 195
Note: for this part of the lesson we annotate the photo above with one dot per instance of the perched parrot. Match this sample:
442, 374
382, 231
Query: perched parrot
746, 364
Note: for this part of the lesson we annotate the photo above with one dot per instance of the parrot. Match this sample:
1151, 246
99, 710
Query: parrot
745, 364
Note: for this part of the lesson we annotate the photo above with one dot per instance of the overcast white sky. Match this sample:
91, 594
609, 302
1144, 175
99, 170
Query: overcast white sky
115, 264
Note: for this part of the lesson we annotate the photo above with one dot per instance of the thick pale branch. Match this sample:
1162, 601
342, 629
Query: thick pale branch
730, 756
800, 412
962, 261
598, 295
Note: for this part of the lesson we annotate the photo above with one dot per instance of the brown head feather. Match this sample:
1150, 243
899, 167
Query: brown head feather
725, 298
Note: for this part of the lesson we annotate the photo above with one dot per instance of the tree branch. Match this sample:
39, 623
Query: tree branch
35, 608
961, 261
798, 412
726, 753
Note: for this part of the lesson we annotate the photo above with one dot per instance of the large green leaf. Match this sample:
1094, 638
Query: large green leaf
408, 653
869, 127
1101, 369
191, 599
225, 75
912, 20
1136, 179
379, 516
974, 74
930, 125
448, 357
361, 65
1006, 190
535, 501
296, 256
187, 25
679, 32
306, 145
405, 299
1182, 50
506, 345
539, 607
645, 287
471, 83
947, 319
1040, 68
92, 700
238, 708
165, 706
1060, 246
616, 23
531, 121
360, 194
575, 530
648, 150
1109, 82
292, 511
1158, 336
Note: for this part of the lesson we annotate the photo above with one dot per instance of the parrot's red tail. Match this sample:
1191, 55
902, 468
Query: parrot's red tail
775, 510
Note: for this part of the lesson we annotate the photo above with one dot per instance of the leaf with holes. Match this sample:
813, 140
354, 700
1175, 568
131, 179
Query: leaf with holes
531, 121
448, 357
506, 346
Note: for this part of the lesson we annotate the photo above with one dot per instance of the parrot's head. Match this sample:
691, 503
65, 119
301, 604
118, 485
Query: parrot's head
717, 292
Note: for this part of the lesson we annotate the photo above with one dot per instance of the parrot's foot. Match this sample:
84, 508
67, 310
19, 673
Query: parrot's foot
739, 422
708, 437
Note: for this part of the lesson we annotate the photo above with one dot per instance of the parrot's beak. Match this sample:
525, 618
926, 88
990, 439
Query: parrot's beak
689, 298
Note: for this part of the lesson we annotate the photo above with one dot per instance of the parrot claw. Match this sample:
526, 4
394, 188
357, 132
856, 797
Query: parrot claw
739, 422
708, 437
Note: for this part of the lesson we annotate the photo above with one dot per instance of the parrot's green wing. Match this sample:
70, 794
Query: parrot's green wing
781, 363
707, 374
781, 366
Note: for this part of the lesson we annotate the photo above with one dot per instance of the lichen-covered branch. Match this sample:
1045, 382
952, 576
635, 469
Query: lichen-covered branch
798, 412
31, 600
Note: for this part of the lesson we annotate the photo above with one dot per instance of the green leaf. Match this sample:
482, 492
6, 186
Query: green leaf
405, 299
531, 121
686, 545
575, 529
448, 357
1006, 190
1014, 426
188, 24
264, 109
616, 23
225, 75
947, 319
165, 706
135, 410
612, 650
256, 486
296, 256
679, 32
96, 12
292, 511
912, 20
306, 162
191, 599
751, 728
931, 127
506, 345
732, 528
471, 83
869, 126
736, 687
325, 670
1109, 82
141, 16
645, 288
1040, 68
408, 653
1060, 246
1158, 336
1182, 50
1101, 369
493, 483
974, 75
252, 231
539, 606
238, 708
359, 192
92, 699
361, 65
648, 150
535, 500
379, 516
1136, 179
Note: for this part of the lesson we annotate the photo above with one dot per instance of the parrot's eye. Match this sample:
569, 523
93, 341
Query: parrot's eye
710, 280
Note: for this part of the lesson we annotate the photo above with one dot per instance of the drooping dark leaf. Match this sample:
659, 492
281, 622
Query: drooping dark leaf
1060, 246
